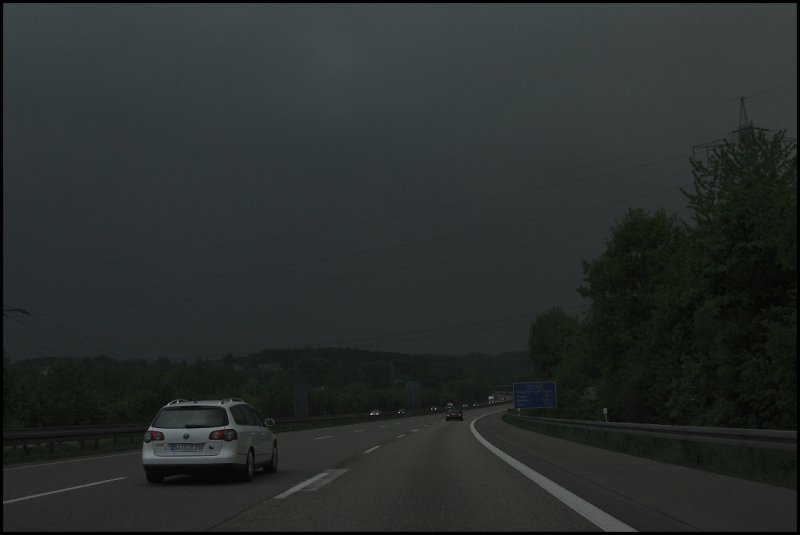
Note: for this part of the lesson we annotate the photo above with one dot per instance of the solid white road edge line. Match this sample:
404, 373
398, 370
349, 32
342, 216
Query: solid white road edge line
62, 490
596, 516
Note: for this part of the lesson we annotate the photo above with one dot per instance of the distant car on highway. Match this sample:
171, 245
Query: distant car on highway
188, 437
454, 413
374, 412
401, 412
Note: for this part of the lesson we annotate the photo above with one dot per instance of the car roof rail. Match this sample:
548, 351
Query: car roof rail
229, 400
176, 401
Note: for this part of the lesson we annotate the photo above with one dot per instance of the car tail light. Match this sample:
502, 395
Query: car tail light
223, 434
153, 435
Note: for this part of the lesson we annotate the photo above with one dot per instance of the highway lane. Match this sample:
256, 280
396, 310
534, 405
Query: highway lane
182, 502
437, 479
413, 473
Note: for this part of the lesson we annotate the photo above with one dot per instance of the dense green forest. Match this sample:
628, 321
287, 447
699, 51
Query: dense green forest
691, 323
56, 391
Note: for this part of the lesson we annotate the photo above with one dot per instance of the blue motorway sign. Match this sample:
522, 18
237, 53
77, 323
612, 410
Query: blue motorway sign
541, 395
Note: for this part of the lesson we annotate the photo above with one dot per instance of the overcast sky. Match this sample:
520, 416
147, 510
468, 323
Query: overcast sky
188, 181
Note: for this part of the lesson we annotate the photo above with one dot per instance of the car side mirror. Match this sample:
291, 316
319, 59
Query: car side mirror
269, 422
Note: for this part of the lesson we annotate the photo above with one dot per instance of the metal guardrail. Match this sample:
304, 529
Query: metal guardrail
80, 434
57, 434
93, 433
750, 438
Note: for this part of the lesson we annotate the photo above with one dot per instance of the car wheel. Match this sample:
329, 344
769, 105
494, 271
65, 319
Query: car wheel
249, 468
153, 477
272, 467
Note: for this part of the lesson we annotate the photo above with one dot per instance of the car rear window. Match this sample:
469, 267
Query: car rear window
190, 417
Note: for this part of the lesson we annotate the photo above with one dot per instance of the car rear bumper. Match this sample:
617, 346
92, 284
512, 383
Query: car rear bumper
169, 470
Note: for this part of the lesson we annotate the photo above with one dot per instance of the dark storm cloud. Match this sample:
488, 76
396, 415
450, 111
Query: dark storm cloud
198, 179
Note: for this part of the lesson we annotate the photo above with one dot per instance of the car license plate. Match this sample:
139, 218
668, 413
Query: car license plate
186, 447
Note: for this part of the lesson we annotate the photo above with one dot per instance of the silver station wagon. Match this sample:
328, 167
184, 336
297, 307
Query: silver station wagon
189, 437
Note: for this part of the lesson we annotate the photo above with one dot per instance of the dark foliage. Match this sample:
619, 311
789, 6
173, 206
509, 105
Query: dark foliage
96, 390
691, 324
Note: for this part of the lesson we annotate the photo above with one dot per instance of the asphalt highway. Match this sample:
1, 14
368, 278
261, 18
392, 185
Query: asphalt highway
403, 474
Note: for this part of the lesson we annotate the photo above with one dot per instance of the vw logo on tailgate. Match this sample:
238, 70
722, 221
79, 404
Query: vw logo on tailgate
186, 435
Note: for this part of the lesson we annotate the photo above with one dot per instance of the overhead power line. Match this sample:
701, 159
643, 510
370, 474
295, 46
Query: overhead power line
336, 279
293, 265
19, 310
93, 342
333, 228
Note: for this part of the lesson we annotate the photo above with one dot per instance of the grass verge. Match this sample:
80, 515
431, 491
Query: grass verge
774, 467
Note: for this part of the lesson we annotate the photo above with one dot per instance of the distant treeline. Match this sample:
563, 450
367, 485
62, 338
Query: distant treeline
692, 324
56, 391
